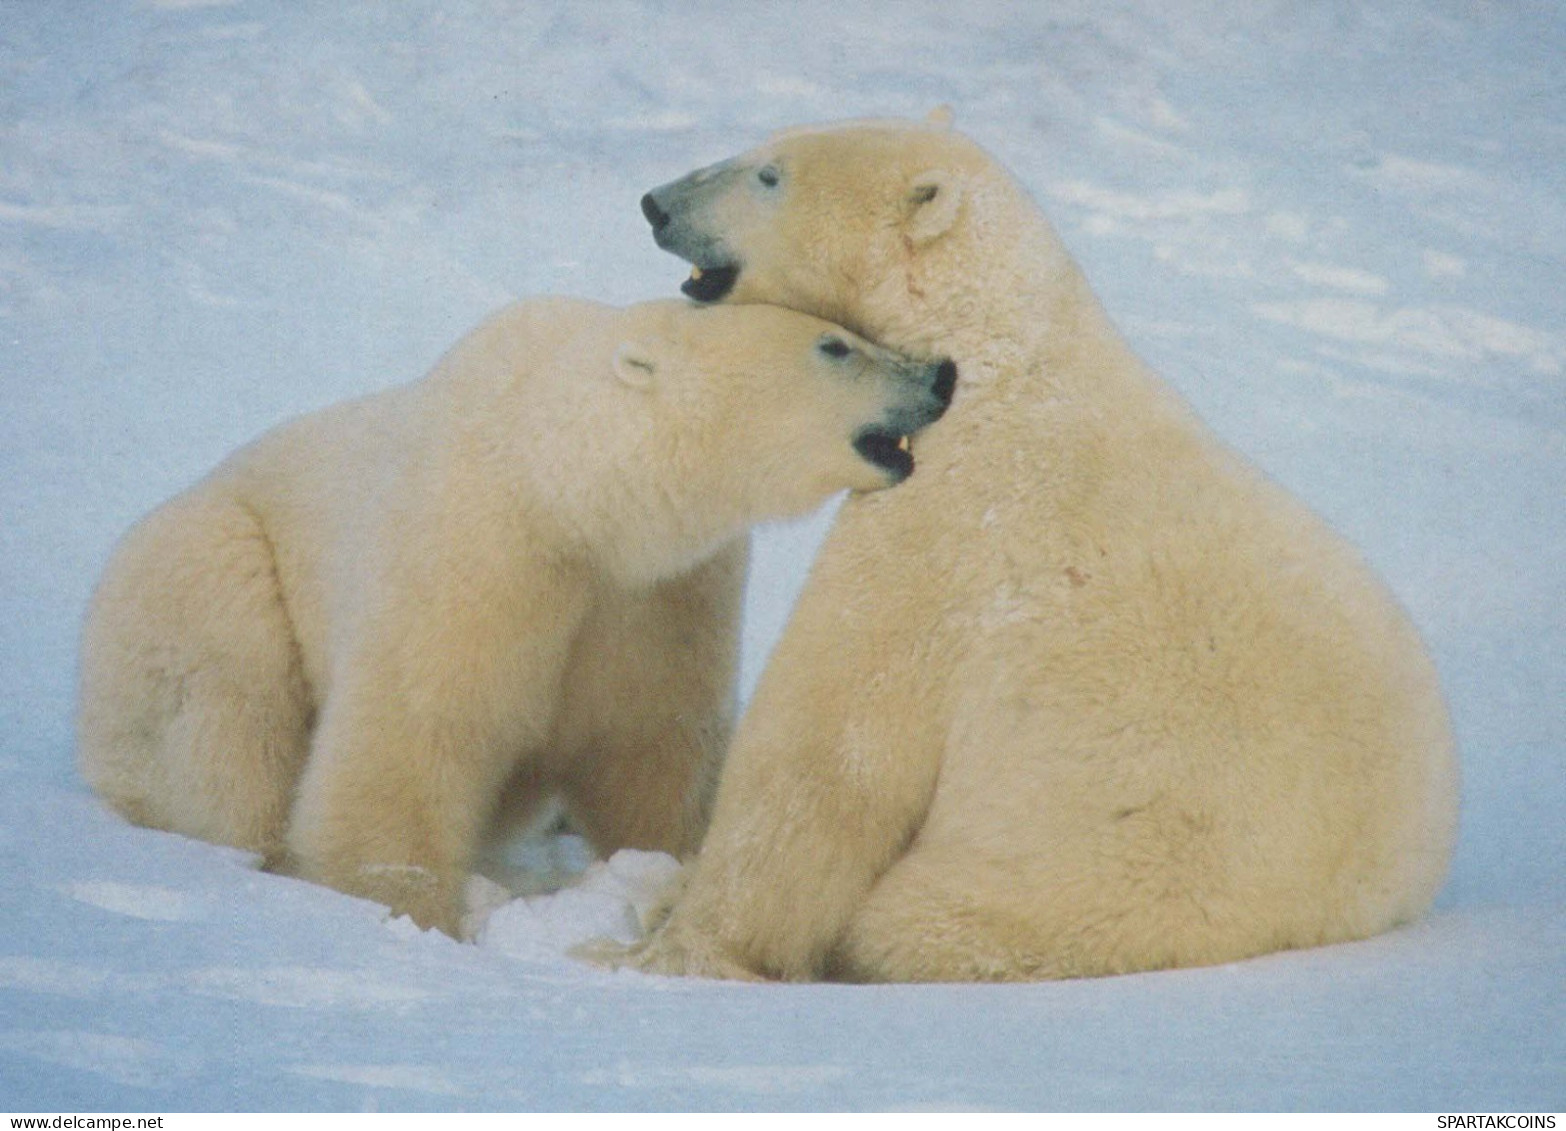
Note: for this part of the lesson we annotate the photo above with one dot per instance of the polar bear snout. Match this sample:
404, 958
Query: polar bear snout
656, 216
945, 382
937, 383
672, 211
889, 444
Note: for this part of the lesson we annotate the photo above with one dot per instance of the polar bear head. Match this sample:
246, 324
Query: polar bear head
691, 424
876, 225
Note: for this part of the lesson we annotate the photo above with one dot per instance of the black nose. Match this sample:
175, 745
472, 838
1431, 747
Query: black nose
656, 216
945, 381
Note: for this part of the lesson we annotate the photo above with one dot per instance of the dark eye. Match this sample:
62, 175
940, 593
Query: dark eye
768, 175
834, 347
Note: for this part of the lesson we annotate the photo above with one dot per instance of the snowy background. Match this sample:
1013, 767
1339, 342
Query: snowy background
1339, 228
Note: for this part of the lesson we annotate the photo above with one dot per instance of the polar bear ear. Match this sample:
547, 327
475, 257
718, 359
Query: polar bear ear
941, 117
635, 365
936, 197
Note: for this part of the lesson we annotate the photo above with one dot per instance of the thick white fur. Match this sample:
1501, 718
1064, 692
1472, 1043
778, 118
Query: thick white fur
381, 628
1090, 694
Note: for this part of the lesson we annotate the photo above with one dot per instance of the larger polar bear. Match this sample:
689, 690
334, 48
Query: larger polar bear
382, 625
1089, 695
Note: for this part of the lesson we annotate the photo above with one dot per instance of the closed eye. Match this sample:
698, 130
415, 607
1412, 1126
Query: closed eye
834, 347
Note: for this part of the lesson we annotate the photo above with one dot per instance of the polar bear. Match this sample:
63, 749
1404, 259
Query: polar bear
381, 625
1089, 695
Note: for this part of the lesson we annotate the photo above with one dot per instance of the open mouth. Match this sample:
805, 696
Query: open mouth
710, 284
887, 450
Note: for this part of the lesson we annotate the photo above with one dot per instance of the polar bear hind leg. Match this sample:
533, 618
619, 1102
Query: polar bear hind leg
918, 926
940, 915
194, 713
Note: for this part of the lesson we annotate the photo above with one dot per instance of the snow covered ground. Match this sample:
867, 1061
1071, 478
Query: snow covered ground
1339, 228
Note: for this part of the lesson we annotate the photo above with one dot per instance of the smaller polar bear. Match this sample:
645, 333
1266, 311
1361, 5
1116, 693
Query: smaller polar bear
1089, 695
383, 628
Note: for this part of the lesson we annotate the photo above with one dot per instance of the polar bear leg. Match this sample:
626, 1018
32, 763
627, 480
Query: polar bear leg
952, 915
921, 923
827, 779
646, 788
428, 718
650, 706
194, 710
392, 808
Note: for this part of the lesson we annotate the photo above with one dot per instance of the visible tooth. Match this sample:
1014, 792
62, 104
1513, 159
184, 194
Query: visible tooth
695, 272
902, 443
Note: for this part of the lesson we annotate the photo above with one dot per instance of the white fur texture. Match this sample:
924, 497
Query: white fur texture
384, 630
1089, 695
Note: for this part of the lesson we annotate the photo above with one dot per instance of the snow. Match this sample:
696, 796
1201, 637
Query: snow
1338, 228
